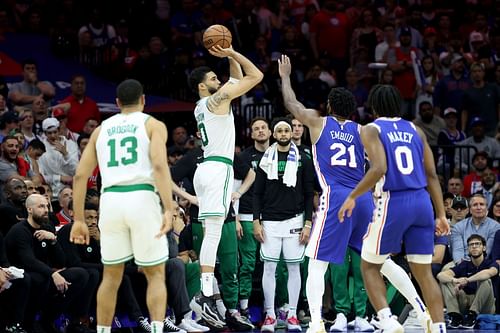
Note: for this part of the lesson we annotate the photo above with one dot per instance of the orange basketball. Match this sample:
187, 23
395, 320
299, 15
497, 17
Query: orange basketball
217, 35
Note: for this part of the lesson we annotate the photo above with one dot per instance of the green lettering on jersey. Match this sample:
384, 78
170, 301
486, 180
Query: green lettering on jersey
121, 129
127, 157
203, 133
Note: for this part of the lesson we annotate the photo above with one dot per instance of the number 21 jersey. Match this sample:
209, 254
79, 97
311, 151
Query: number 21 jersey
123, 150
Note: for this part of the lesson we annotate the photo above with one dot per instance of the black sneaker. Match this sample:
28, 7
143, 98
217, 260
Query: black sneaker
170, 327
236, 322
206, 309
16, 328
143, 325
455, 320
469, 320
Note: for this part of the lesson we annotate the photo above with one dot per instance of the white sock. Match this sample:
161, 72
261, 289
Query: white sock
244, 304
384, 313
106, 329
188, 315
315, 287
294, 283
207, 284
232, 311
438, 328
400, 279
220, 307
156, 326
269, 287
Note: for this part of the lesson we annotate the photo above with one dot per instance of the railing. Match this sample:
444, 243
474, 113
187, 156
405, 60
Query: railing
453, 160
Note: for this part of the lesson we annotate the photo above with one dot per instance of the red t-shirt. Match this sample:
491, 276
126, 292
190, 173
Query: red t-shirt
22, 167
332, 33
405, 80
79, 113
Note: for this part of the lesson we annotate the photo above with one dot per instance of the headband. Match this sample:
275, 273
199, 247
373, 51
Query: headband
281, 122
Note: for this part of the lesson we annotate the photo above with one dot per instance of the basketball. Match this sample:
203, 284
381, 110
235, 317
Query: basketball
217, 35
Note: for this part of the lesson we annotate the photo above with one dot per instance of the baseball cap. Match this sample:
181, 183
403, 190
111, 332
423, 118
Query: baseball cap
58, 113
456, 57
476, 37
449, 111
406, 31
459, 202
10, 117
476, 121
49, 123
429, 31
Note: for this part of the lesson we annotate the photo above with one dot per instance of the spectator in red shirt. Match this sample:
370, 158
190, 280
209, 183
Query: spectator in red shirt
82, 107
64, 215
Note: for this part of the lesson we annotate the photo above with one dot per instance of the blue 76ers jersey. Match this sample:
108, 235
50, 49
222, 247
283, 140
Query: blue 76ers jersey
339, 156
404, 151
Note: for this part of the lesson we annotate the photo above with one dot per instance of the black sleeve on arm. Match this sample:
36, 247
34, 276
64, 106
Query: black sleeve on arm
259, 186
240, 167
21, 242
3, 255
308, 174
184, 167
72, 257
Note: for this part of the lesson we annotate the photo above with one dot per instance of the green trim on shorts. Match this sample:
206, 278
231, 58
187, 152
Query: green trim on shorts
218, 159
264, 258
226, 183
130, 188
152, 263
117, 261
205, 215
291, 261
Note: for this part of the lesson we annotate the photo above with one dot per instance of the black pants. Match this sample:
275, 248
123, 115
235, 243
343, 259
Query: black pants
14, 301
178, 298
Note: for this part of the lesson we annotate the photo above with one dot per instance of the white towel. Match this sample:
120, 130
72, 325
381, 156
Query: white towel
269, 163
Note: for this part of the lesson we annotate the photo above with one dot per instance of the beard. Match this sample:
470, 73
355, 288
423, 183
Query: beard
41, 219
284, 143
476, 256
212, 90
261, 141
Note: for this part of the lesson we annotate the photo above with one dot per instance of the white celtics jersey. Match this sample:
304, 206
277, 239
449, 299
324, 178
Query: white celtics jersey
217, 131
123, 150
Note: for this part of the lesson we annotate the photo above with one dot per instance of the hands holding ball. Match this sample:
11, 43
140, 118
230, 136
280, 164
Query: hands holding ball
217, 40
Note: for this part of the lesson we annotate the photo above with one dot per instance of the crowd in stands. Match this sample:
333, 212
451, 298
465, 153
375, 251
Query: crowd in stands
443, 56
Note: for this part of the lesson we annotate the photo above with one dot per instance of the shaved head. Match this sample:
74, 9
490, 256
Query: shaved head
34, 200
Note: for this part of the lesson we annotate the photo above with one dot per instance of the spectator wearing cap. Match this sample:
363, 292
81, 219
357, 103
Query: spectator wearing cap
60, 115
477, 223
8, 122
450, 89
458, 210
472, 181
430, 124
25, 92
480, 141
449, 136
82, 107
467, 287
400, 62
482, 100
58, 164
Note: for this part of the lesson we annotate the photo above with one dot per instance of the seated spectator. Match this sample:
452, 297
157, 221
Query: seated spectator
25, 92
447, 201
32, 245
90, 125
60, 115
489, 185
449, 136
478, 223
455, 186
40, 111
64, 216
494, 211
8, 122
14, 295
82, 107
26, 122
472, 181
82, 141
458, 210
13, 207
30, 187
174, 155
34, 151
11, 164
58, 164
430, 124
467, 287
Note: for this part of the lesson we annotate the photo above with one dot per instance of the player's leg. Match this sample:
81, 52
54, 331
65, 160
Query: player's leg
106, 296
156, 295
315, 288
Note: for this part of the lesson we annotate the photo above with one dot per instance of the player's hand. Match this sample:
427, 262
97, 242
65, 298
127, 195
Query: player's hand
79, 233
60, 282
346, 208
258, 231
442, 226
239, 229
304, 235
220, 52
284, 66
193, 199
167, 225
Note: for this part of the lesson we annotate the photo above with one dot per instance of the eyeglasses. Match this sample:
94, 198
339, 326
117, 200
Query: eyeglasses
475, 244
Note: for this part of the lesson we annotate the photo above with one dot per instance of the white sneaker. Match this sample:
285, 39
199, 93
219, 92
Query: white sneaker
316, 327
412, 321
362, 325
340, 324
190, 326
425, 321
268, 325
169, 327
391, 325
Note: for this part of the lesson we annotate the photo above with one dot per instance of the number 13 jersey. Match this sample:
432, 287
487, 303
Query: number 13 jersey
339, 156
123, 150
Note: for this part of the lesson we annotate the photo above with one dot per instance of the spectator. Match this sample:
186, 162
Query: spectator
245, 26
30, 187
25, 92
313, 89
494, 213
429, 123
390, 42
40, 111
58, 164
449, 136
174, 154
481, 100
367, 35
478, 223
65, 216
444, 30
82, 107
90, 125
358, 90
431, 46
64, 131
35, 149
400, 61
455, 186
8, 122
449, 90
472, 181
489, 185
101, 34
468, 285
26, 123
179, 137
459, 210
426, 89
81, 142
447, 202
11, 164
387, 76
13, 209
31, 245
3, 101
311, 10
480, 141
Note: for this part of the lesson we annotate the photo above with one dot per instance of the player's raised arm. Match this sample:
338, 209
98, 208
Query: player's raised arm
308, 117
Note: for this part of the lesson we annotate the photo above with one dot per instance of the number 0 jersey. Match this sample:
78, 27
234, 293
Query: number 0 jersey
404, 152
123, 150
217, 131
339, 156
